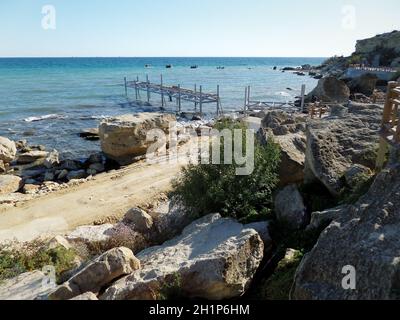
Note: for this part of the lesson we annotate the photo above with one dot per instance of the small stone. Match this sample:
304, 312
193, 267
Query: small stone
141, 220
63, 174
49, 176
10, 184
52, 159
98, 167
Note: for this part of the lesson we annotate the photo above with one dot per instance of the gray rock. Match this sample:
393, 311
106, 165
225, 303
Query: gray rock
106, 268
141, 221
52, 160
32, 156
364, 84
95, 158
49, 176
8, 150
214, 258
27, 286
289, 207
262, 229
75, 175
336, 144
10, 184
330, 89
364, 236
288, 131
88, 296
356, 173
98, 167
62, 174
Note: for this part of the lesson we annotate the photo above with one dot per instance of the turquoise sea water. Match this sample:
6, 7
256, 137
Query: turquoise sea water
70, 94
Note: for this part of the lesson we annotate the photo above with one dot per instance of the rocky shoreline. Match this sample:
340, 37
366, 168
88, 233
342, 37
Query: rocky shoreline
331, 210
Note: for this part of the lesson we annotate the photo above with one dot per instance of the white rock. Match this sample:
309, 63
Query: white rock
27, 286
8, 150
10, 184
214, 258
106, 268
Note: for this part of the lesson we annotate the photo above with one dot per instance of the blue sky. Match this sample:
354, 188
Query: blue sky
290, 28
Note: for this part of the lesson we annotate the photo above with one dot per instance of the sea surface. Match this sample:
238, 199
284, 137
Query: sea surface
49, 101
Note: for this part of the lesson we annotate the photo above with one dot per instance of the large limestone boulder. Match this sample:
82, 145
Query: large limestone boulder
330, 89
8, 150
107, 236
32, 156
335, 144
364, 84
10, 184
365, 239
214, 258
27, 286
125, 137
289, 207
288, 131
106, 268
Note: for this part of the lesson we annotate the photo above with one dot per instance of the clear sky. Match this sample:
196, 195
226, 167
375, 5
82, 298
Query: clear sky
289, 28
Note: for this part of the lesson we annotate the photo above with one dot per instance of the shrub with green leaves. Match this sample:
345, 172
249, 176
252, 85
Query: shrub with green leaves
33, 256
211, 188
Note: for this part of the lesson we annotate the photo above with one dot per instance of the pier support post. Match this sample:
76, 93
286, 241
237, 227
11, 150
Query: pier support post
179, 98
162, 92
148, 88
195, 94
201, 101
245, 101
218, 102
303, 92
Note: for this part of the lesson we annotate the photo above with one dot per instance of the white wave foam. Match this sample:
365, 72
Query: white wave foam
45, 117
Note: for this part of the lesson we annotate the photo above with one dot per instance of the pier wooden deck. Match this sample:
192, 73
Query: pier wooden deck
197, 97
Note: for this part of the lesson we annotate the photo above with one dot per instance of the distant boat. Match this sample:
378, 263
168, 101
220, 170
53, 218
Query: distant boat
168, 66
194, 67
147, 65
220, 68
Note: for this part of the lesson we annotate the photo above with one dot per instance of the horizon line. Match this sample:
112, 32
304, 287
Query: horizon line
152, 57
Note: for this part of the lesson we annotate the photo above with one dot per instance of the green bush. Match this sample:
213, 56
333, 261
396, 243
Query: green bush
278, 286
33, 256
211, 188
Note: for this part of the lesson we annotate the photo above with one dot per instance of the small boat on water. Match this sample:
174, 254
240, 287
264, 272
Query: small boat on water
168, 66
147, 65
194, 67
220, 68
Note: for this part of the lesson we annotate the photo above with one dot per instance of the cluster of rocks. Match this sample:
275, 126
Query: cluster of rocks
209, 258
304, 70
32, 170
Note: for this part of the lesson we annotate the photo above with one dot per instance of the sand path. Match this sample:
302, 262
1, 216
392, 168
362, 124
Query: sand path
109, 194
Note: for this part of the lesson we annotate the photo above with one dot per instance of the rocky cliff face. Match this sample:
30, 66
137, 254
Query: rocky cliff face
383, 49
363, 236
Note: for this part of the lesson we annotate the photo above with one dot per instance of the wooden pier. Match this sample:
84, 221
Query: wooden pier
390, 131
197, 96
